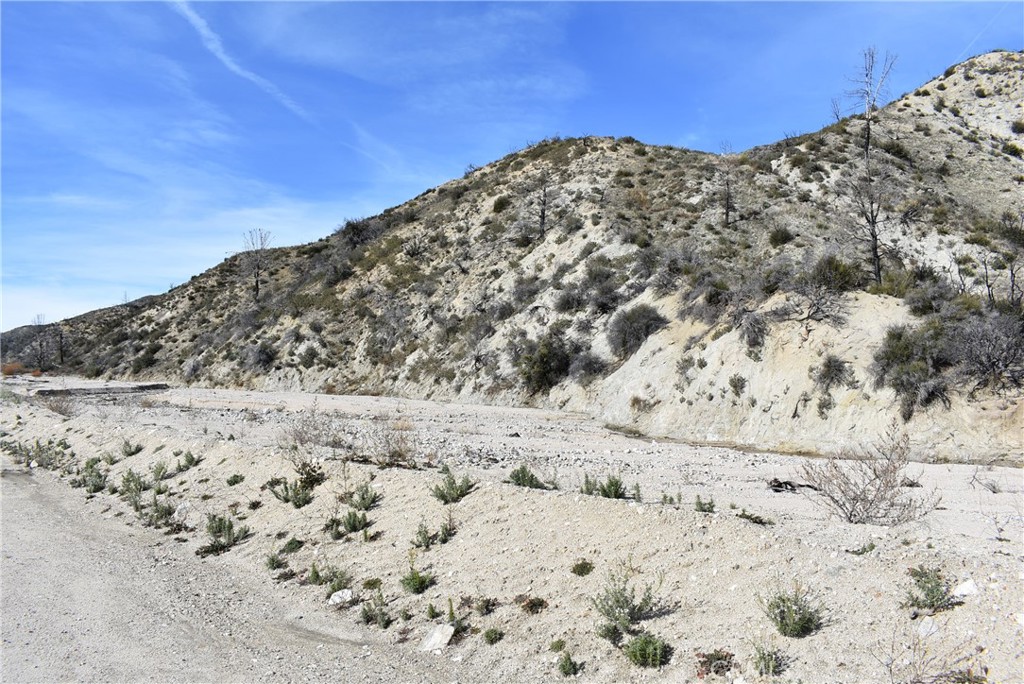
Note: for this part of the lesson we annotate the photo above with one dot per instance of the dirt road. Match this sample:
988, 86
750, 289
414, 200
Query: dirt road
87, 598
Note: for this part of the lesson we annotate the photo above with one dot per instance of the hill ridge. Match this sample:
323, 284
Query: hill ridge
700, 296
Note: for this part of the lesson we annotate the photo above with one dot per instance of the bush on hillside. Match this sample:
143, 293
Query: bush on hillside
631, 327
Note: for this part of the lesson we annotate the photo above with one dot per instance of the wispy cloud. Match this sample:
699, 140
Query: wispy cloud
215, 45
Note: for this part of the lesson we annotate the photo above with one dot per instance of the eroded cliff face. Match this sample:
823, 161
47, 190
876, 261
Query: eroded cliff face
711, 298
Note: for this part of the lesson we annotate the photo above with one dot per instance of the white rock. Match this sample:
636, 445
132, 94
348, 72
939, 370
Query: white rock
437, 638
966, 588
343, 597
927, 627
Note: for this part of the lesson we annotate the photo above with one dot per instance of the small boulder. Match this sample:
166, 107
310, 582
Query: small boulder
438, 638
342, 597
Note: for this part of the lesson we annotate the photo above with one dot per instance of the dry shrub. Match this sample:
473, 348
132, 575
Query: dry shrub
14, 368
869, 485
62, 404
392, 448
313, 427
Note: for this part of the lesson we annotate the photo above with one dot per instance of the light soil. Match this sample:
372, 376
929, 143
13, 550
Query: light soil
90, 594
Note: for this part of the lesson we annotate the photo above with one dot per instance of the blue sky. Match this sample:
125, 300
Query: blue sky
141, 140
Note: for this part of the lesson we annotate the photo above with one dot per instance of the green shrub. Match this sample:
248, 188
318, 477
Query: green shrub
424, 538
364, 497
567, 666
292, 545
610, 632
646, 650
132, 486
354, 521
702, 506
275, 562
129, 449
582, 567
794, 613
493, 635
780, 236
932, 593
544, 363
501, 204
524, 477
450, 490
290, 492
1017, 126
832, 273
557, 646
91, 478
611, 488
223, 535
532, 604
629, 328
833, 372
618, 601
415, 581
237, 478
768, 661
738, 383
910, 361
374, 612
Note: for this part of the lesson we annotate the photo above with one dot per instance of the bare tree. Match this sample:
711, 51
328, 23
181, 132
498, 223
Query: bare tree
727, 192
60, 341
255, 257
872, 197
872, 193
869, 87
39, 349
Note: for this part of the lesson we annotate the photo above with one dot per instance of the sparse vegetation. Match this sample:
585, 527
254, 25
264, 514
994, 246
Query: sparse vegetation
493, 636
754, 518
717, 662
375, 612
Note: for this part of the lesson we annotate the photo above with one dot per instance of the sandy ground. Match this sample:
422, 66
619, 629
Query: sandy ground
91, 594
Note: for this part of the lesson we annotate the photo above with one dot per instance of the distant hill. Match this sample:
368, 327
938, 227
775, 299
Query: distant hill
723, 298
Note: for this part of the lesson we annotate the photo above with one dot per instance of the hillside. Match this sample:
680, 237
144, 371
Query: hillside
721, 298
